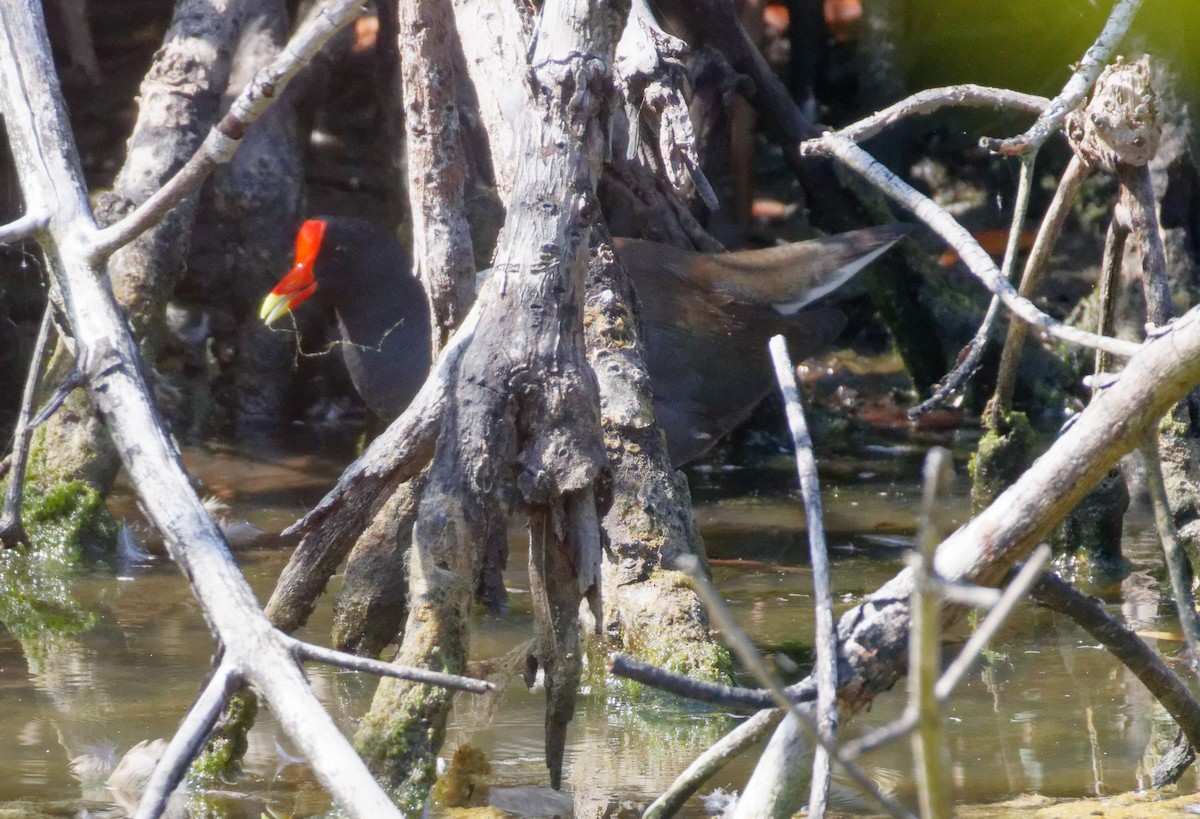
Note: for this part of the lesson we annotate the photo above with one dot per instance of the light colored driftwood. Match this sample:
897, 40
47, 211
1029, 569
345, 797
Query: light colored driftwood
647, 494
52, 181
825, 670
925, 648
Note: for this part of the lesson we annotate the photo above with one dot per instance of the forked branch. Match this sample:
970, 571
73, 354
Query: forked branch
106, 356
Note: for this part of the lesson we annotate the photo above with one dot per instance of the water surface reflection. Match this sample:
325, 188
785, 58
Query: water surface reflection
1049, 712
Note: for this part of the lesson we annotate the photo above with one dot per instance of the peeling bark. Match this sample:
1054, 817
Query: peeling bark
442, 254
523, 423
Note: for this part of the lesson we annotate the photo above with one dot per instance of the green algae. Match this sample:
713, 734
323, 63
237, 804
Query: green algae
1002, 456
228, 743
65, 525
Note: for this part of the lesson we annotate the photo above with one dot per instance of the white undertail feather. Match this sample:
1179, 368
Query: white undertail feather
835, 280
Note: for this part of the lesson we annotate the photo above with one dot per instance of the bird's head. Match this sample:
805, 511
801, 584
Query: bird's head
300, 283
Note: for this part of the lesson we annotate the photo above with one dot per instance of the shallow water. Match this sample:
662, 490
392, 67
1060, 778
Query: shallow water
1050, 712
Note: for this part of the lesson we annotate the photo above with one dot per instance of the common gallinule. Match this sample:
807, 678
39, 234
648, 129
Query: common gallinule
706, 317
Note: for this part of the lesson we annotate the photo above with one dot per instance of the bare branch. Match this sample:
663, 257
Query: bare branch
495, 43
1143, 218
982, 551
975, 257
442, 256
1173, 554
1031, 278
935, 99
1110, 271
225, 138
51, 179
319, 654
1054, 593
1077, 87
650, 75
12, 532
824, 635
924, 648
726, 696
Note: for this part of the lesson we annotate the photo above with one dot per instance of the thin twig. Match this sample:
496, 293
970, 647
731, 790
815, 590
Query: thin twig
1031, 278
189, 738
1110, 271
328, 656
1073, 93
711, 761
1173, 554
934, 99
226, 136
977, 642
74, 380
824, 635
924, 646
752, 660
969, 361
1016, 590
12, 531
975, 257
726, 696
